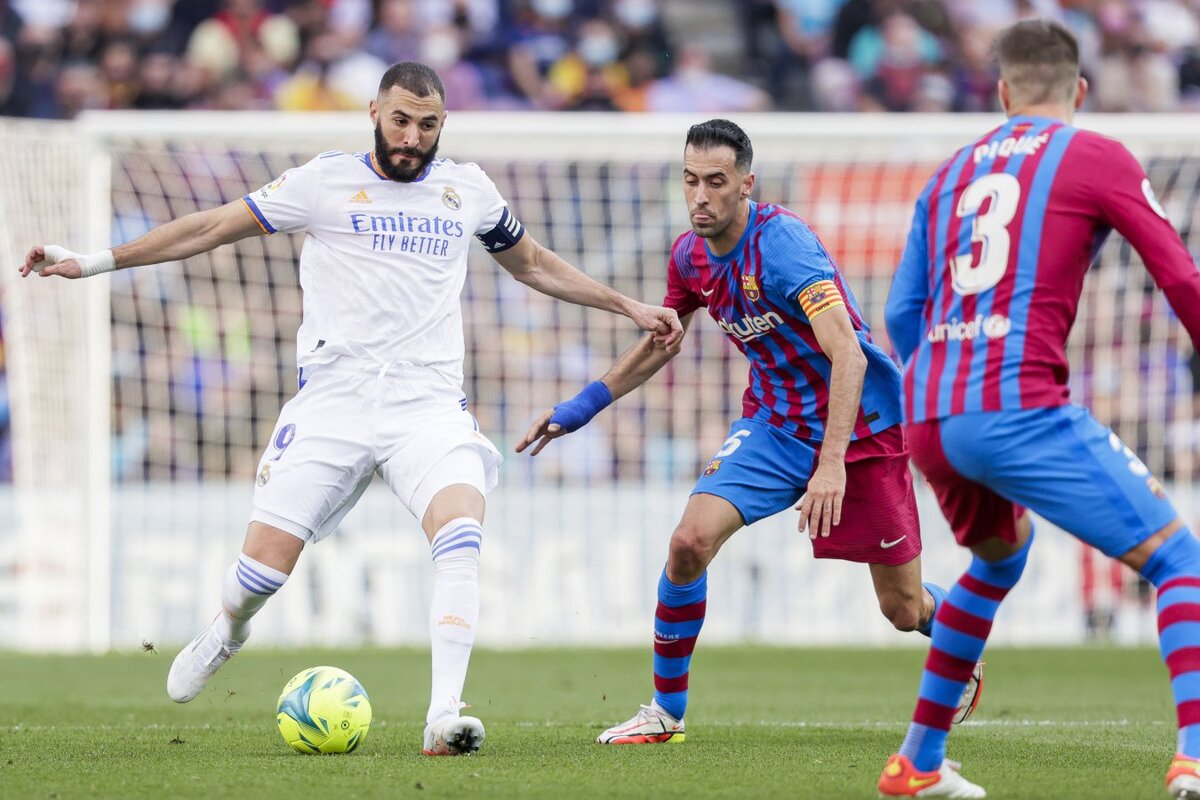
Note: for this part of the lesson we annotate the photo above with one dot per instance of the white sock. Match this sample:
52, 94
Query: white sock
248, 585
453, 612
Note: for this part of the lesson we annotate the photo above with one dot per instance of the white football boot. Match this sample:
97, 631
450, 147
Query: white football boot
452, 735
651, 725
970, 696
198, 662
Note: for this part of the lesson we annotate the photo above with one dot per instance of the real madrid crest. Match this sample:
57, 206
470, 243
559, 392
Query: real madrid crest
451, 198
264, 475
750, 288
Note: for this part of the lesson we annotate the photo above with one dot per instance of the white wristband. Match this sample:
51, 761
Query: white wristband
95, 263
89, 264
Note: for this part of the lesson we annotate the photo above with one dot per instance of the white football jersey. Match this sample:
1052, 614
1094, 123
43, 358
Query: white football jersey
384, 262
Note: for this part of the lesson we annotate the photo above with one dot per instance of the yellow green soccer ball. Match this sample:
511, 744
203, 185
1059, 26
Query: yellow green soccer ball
324, 710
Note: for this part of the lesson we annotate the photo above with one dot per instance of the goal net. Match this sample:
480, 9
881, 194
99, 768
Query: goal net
142, 401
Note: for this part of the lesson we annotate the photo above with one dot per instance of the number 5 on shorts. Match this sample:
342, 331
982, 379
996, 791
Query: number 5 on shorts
732, 444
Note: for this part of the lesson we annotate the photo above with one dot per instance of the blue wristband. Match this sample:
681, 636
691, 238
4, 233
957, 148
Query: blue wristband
579, 410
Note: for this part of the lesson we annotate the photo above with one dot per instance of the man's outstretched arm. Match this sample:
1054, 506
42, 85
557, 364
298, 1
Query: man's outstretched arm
182, 238
636, 366
544, 270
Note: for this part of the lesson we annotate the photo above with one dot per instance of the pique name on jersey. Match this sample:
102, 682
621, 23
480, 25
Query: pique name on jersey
1011, 146
407, 233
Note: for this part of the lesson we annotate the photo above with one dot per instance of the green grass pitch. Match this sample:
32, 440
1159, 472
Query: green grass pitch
764, 722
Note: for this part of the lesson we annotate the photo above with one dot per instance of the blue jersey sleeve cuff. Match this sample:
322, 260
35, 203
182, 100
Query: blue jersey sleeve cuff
261, 218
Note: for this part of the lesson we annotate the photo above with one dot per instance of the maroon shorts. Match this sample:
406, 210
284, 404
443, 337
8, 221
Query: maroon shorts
879, 512
974, 511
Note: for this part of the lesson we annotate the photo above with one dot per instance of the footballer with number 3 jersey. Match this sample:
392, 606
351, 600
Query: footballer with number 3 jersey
381, 367
820, 419
980, 310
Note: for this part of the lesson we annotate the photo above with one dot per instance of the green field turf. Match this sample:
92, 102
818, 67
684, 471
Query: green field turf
1089, 723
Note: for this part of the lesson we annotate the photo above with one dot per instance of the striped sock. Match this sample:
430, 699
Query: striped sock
1175, 570
938, 594
453, 612
677, 623
248, 585
964, 621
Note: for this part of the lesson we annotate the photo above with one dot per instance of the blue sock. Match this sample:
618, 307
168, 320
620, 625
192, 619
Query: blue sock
677, 623
938, 594
1175, 570
964, 622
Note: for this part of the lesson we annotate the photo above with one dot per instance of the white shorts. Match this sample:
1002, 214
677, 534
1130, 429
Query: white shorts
347, 423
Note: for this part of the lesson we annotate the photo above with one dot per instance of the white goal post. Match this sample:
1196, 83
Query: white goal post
141, 400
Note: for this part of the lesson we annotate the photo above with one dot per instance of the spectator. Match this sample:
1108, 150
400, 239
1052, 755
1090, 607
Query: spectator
79, 87
551, 54
542, 38
590, 76
463, 80
805, 38
638, 25
694, 87
14, 101
243, 37
396, 38
642, 71
119, 71
899, 41
900, 60
311, 87
158, 83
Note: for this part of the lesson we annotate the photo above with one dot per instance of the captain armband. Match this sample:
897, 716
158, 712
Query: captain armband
819, 298
508, 232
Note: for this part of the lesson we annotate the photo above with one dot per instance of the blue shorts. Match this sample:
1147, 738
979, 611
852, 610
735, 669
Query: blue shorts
1059, 462
762, 470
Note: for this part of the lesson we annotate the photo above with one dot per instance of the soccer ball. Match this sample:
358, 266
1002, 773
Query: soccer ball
323, 710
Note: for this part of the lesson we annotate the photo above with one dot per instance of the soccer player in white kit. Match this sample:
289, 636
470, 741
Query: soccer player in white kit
381, 359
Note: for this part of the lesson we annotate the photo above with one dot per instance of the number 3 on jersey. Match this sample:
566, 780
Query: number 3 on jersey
989, 229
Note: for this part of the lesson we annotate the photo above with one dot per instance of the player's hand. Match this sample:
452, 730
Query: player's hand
821, 507
52, 260
662, 322
543, 432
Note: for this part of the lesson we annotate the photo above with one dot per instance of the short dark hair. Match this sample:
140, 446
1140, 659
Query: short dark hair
1039, 60
414, 77
722, 133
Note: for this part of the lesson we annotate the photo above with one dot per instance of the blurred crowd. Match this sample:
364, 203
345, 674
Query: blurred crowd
58, 57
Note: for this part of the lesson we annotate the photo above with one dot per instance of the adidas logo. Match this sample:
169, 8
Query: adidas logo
361, 197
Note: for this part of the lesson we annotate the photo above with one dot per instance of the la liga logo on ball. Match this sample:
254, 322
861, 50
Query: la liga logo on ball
323, 710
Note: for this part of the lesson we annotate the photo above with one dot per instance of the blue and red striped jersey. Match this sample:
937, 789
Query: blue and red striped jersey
989, 283
763, 294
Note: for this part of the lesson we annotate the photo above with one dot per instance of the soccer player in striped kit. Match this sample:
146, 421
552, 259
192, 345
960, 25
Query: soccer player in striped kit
820, 420
982, 303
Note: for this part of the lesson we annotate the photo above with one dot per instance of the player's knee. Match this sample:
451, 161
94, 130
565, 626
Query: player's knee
691, 551
903, 611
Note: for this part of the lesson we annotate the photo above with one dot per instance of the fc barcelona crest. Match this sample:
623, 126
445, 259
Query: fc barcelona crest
712, 467
750, 288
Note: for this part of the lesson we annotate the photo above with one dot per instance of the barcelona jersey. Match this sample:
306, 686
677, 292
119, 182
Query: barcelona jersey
763, 294
1002, 235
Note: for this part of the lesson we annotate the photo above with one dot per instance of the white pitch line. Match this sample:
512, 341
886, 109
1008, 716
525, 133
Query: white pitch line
818, 725
982, 723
